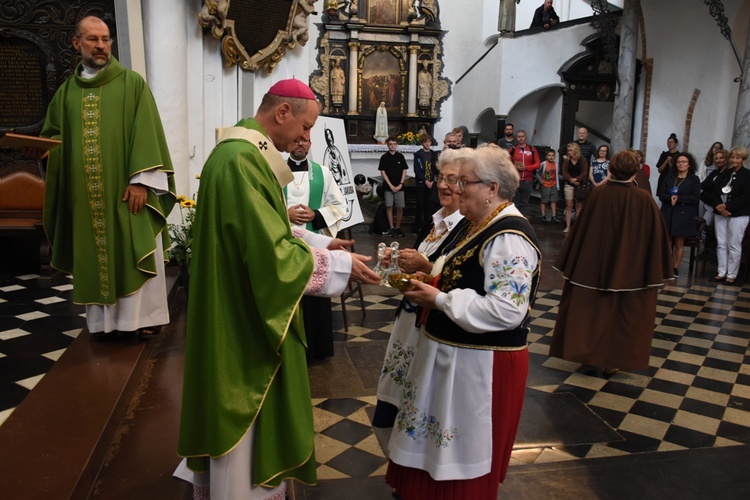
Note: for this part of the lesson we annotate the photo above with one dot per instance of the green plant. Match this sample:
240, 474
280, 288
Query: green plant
182, 233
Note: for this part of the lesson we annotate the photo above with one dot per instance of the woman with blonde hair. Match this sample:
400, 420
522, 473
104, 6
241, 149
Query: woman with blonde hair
731, 204
464, 391
575, 171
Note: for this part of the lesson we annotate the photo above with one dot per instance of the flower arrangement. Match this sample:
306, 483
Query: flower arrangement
409, 138
182, 233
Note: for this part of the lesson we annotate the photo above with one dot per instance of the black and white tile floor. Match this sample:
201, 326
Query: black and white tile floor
695, 394
38, 322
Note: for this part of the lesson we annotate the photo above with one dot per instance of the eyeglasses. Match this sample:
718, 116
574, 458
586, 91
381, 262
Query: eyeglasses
462, 184
448, 180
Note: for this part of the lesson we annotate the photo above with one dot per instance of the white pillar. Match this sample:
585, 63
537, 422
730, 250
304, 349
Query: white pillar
353, 83
741, 133
622, 117
412, 101
166, 65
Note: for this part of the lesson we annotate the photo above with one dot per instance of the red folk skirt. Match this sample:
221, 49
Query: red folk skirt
509, 371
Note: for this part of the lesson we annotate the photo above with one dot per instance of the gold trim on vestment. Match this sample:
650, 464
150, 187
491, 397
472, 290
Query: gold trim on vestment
92, 168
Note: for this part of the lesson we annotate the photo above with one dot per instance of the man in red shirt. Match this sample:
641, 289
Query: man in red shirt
526, 159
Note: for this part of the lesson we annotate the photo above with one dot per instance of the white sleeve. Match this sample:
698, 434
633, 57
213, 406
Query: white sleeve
155, 180
313, 239
331, 273
509, 265
332, 267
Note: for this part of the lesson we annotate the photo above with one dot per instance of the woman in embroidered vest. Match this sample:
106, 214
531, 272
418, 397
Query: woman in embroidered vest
405, 332
463, 394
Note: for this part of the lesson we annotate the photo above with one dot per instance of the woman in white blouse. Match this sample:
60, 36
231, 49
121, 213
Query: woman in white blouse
430, 242
464, 390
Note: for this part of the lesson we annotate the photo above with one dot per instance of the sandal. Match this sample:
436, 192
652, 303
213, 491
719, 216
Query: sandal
149, 331
716, 279
729, 281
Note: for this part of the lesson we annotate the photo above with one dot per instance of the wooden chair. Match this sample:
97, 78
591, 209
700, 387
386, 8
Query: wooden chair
21, 208
695, 244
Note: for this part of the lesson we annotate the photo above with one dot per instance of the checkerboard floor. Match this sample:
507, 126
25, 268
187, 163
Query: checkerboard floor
695, 393
38, 321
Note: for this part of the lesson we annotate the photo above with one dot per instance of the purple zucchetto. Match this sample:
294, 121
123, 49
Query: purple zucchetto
292, 88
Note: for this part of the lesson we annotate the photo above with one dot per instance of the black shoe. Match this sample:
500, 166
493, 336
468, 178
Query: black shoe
676, 273
398, 232
555, 219
543, 218
389, 233
717, 279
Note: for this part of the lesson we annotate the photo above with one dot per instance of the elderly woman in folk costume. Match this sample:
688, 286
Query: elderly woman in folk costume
429, 245
464, 391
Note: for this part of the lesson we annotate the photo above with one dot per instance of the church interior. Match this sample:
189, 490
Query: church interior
81, 418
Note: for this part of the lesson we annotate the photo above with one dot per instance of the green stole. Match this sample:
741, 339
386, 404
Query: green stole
315, 196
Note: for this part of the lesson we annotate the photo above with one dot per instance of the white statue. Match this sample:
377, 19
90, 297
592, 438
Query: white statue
299, 23
424, 86
507, 19
381, 124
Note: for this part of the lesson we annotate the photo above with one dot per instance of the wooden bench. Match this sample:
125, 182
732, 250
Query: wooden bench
21, 208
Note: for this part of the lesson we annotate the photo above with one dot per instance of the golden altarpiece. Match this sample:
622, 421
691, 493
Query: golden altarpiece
374, 52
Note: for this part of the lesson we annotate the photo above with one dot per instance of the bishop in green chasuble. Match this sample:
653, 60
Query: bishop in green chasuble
243, 321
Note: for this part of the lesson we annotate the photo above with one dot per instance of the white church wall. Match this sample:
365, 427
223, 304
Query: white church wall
546, 130
517, 67
691, 54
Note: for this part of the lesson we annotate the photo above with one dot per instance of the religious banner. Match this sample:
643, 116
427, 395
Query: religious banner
330, 149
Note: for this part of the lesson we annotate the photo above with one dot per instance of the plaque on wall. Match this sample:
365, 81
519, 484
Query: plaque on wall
27, 84
256, 33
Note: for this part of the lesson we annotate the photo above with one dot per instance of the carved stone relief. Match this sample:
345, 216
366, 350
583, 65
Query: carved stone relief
256, 33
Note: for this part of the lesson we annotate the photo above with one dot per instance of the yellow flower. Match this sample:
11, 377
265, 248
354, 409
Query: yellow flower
198, 176
181, 198
187, 203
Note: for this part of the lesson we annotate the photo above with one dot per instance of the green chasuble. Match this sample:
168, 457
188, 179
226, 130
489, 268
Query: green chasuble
110, 130
245, 348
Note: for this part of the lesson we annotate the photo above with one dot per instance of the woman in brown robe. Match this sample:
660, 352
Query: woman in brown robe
614, 260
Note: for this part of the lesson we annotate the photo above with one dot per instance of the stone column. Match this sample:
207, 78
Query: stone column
353, 80
741, 133
622, 116
412, 102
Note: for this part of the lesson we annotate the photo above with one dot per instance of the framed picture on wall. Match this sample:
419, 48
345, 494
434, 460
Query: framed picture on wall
381, 82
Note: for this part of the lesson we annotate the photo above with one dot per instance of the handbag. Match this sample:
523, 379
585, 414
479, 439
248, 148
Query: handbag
582, 191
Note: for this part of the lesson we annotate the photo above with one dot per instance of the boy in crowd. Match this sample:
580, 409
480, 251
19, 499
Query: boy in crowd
393, 169
548, 182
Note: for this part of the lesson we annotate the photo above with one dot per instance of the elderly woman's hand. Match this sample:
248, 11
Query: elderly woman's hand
411, 261
423, 294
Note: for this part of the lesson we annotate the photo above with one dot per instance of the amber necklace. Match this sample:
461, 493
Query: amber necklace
434, 237
473, 229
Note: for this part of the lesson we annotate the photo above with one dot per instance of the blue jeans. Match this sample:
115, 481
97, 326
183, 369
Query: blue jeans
521, 199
